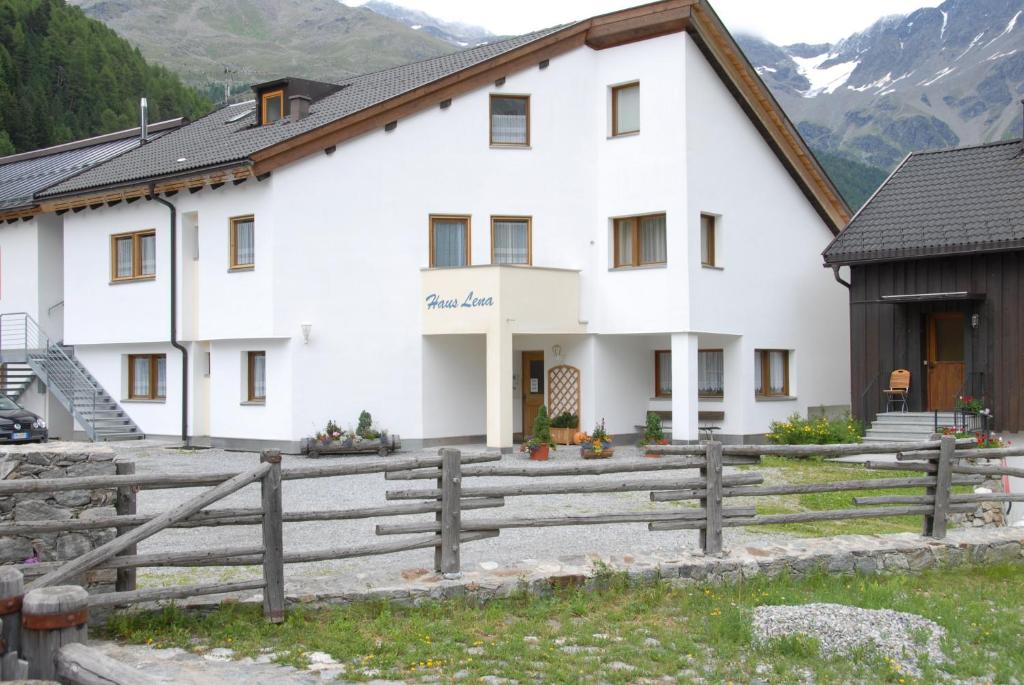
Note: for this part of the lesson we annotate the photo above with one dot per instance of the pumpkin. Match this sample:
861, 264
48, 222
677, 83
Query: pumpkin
580, 437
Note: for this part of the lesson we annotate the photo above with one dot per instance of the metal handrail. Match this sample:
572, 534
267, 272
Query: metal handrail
19, 331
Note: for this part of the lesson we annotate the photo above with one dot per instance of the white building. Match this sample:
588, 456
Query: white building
436, 243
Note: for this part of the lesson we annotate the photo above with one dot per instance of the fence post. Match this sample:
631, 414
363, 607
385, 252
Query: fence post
439, 518
273, 538
12, 590
711, 472
126, 505
451, 512
935, 523
51, 618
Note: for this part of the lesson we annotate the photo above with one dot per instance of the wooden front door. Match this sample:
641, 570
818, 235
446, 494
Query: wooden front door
533, 388
945, 359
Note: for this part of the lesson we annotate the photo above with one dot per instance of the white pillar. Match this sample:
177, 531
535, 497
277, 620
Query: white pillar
684, 387
499, 389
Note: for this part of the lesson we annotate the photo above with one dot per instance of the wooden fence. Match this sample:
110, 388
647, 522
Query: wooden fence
702, 481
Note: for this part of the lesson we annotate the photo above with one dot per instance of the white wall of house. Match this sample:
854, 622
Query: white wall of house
341, 240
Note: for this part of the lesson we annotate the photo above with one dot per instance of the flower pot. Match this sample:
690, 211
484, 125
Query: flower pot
588, 451
539, 453
563, 436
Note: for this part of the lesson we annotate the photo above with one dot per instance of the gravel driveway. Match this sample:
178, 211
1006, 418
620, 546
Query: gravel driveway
511, 547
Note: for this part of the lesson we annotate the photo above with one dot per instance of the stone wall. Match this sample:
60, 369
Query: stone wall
56, 460
987, 514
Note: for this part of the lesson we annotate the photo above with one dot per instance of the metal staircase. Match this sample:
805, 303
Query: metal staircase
22, 342
15, 379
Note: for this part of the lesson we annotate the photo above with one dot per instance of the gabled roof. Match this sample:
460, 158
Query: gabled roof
226, 145
24, 175
947, 202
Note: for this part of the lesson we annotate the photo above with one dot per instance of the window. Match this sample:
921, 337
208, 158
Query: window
663, 373
510, 120
710, 373
626, 109
273, 106
449, 241
147, 376
133, 256
511, 240
640, 240
243, 248
771, 373
708, 228
257, 375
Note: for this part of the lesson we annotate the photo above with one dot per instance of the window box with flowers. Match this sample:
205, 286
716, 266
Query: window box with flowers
597, 445
365, 439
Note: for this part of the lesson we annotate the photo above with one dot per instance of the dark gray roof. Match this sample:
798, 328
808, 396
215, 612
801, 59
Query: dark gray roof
23, 176
223, 138
957, 201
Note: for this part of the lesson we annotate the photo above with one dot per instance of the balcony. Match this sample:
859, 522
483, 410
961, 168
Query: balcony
501, 298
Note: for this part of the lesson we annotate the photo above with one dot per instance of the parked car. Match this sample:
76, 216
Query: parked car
18, 424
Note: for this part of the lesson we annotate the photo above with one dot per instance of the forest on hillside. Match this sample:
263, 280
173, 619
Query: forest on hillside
64, 76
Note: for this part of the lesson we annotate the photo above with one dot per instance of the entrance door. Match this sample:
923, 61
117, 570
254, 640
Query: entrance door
945, 359
533, 388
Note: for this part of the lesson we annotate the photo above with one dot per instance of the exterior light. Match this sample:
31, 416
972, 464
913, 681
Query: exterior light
975, 319
557, 351
306, 328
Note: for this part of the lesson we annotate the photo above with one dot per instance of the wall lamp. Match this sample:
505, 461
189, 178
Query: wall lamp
557, 351
306, 328
975, 320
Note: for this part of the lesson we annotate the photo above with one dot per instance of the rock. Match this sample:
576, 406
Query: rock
219, 654
72, 498
531, 639
91, 468
414, 573
14, 549
72, 545
98, 513
36, 510
652, 642
621, 666
488, 565
495, 680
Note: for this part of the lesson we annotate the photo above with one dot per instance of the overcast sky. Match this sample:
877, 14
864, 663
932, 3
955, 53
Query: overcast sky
780, 21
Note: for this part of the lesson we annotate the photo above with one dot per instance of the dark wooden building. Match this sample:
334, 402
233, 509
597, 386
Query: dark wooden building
936, 272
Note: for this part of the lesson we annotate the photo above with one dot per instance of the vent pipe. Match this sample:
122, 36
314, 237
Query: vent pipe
144, 116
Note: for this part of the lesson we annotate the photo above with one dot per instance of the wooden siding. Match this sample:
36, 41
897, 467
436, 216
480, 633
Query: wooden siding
887, 336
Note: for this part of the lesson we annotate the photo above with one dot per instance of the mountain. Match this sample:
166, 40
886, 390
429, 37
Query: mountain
458, 34
935, 78
64, 76
226, 45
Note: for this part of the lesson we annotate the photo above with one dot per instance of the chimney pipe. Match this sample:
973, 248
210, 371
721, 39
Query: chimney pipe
144, 115
298, 107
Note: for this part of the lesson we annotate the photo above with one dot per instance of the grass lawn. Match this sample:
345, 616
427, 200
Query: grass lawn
622, 634
779, 470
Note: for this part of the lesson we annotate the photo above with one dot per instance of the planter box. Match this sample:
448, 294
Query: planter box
383, 446
606, 452
564, 436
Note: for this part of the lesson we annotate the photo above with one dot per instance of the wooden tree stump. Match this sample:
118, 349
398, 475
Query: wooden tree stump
51, 618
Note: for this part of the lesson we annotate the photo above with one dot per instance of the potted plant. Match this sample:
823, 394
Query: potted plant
598, 444
563, 428
540, 442
364, 439
653, 434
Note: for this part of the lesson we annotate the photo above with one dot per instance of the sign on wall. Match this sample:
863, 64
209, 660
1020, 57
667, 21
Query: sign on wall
470, 301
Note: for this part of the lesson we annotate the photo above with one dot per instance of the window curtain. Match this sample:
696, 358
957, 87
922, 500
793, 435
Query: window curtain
245, 248
147, 244
124, 257
508, 121
664, 373
449, 242
624, 241
140, 377
652, 240
758, 374
627, 109
710, 372
259, 375
161, 376
511, 242
777, 371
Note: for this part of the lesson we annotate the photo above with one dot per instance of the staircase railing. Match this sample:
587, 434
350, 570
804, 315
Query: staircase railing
22, 340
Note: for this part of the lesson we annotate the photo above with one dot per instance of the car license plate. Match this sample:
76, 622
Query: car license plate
19, 436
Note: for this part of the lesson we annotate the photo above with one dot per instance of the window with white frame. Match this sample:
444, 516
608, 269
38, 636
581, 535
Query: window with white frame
771, 373
711, 373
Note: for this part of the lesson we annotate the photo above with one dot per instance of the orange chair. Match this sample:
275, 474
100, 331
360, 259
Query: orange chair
898, 391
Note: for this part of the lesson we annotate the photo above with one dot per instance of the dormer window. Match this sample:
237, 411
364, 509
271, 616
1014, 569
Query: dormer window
272, 104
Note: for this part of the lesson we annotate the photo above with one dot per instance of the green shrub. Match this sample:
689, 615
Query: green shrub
542, 429
797, 430
653, 434
365, 428
565, 420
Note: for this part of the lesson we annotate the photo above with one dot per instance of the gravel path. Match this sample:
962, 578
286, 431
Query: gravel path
513, 546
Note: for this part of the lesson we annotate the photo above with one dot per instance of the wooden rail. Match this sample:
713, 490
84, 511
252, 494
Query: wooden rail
448, 498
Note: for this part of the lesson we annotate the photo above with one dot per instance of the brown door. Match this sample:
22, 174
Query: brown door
945, 359
533, 388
